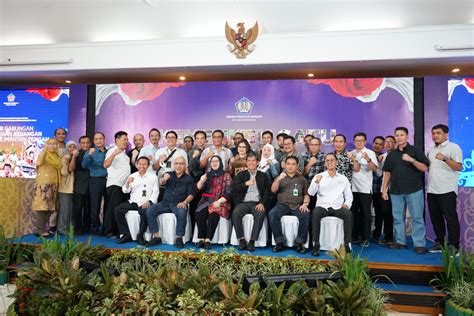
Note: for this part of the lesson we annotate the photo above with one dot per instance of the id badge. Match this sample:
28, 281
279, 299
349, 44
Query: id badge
295, 192
144, 191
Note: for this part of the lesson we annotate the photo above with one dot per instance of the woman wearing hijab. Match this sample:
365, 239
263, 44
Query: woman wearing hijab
215, 201
45, 198
268, 164
66, 186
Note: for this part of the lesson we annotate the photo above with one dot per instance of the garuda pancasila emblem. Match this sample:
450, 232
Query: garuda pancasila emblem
240, 41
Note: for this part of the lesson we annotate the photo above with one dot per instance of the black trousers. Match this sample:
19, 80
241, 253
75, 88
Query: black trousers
96, 192
238, 214
442, 208
81, 212
387, 218
342, 213
115, 197
193, 206
120, 212
361, 214
378, 221
206, 223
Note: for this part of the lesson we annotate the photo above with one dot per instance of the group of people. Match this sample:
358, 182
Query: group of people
210, 182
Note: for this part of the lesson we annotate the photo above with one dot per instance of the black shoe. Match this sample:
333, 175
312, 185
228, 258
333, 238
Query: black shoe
278, 247
124, 239
251, 246
52, 230
397, 246
179, 242
347, 249
420, 250
355, 240
242, 244
207, 245
96, 232
155, 241
316, 251
386, 242
200, 244
140, 239
300, 248
437, 248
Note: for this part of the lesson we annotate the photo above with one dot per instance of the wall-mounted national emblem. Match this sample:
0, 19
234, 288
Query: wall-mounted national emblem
241, 40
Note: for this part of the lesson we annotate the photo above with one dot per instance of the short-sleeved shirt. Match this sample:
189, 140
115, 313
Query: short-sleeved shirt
292, 191
441, 178
119, 170
177, 189
344, 165
405, 178
362, 180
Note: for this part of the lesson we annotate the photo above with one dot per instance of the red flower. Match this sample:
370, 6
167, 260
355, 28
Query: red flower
469, 82
355, 87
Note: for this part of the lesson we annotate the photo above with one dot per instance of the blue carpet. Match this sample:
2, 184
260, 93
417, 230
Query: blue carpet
373, 253
406, 288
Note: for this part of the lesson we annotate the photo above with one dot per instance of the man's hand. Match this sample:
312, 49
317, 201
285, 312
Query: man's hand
150, 157
162, 159
117, 151
182, 205
350, 155
91, 150
259, 207
318, 178
145, 205
250, 182
166, 176
312, 161
282, 176
439, 156
380, 158
210, 153
385, 196
129, 181
407, 157
365, 155
304, 208
345, 206
195, 154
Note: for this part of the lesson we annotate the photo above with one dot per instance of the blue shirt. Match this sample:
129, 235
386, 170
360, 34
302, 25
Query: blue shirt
177, 189
149, 150
95, 163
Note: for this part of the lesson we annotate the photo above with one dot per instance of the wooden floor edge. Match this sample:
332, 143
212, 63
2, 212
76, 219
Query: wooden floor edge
416, 309
416, 293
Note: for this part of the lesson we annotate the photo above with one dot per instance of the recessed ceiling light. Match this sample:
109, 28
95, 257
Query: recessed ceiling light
456, 70
310, 75
182, 78
67, 81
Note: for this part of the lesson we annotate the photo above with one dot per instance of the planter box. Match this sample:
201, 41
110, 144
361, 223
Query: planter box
451, 309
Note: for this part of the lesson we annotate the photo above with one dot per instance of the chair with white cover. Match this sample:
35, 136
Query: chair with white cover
289, 228
247, 222
133, 222
221, 235
331, 235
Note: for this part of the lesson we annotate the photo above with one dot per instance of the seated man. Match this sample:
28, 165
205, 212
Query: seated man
179, 191
293, 199
250, 196
334, 199
143, 189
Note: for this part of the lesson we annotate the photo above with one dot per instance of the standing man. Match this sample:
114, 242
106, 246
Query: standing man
279, 149
306, 140
138, 142
293, 199
60, 134
165, 156
188, 144
346, 162
195, 170
313, 164
117, 164
81, 200
150, 150
445, 163
217, 148
289, 146
389, 145
377, 147
403, 170
362, 189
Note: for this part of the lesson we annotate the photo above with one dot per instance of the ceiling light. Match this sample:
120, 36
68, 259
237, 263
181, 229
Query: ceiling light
67, 81
311, 75
456, 70
182, 78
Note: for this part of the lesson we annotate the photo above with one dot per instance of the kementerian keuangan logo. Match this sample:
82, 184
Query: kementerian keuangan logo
244, 106
10, 100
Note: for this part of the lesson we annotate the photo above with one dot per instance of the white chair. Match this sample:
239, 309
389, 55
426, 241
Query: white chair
289, 228
331, 235
221, 235
166, 223
247, 222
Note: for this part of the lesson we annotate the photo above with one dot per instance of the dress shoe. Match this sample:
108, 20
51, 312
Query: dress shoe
251, 246
179, 242
396, 245
200, 244
278, 247
242, 244
347, 249
437, 248
207, 245
420, 250
386, 242
155, 241
300, 248
316, 251
96, 232
124, 239
140, 239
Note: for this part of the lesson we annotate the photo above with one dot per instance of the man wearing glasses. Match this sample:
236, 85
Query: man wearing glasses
217, 148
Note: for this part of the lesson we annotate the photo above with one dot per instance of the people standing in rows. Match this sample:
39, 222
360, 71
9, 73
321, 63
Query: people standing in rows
289, 146
362, 189
251, 191
179, 192
81, 196
346, 162
217, 148
66, 187
150, 150
377, 148
216, 187
389, 146
313, 164
45, 192
117, 164
238, 163
143, 189
403, 170
334, 199
293, 199
94, 162
445, 159
138, 142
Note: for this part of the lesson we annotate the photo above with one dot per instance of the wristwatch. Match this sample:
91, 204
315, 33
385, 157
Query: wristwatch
445, 159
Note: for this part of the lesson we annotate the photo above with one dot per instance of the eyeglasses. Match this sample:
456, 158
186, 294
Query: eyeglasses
179, 163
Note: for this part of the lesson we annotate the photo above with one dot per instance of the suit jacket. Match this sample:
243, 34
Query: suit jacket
240, 189
81, 175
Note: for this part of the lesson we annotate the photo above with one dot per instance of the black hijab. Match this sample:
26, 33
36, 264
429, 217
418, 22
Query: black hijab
214, 173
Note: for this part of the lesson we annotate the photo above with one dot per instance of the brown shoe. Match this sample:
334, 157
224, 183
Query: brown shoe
397, 246
420, 250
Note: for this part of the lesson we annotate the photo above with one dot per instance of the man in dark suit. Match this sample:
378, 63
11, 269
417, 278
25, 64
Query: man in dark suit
251, 192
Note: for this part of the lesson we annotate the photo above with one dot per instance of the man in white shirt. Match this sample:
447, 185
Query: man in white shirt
445, 163
334, 199
217, 148
362, 189
165, 157
150, 150
143, 188
117, 164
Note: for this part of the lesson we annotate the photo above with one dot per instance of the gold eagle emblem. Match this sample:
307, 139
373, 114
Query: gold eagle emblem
240, 40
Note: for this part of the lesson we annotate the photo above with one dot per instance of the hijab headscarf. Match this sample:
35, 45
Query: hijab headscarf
53, 159
263, 165
214, 173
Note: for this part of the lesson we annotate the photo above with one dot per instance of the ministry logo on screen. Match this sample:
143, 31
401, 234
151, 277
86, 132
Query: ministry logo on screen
10, 100
244, 106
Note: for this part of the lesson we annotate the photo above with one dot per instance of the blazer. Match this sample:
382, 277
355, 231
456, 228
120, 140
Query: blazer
240, 189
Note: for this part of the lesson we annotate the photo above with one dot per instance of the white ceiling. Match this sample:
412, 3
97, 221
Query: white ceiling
57, 21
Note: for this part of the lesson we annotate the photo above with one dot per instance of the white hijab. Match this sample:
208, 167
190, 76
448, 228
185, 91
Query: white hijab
263, 165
